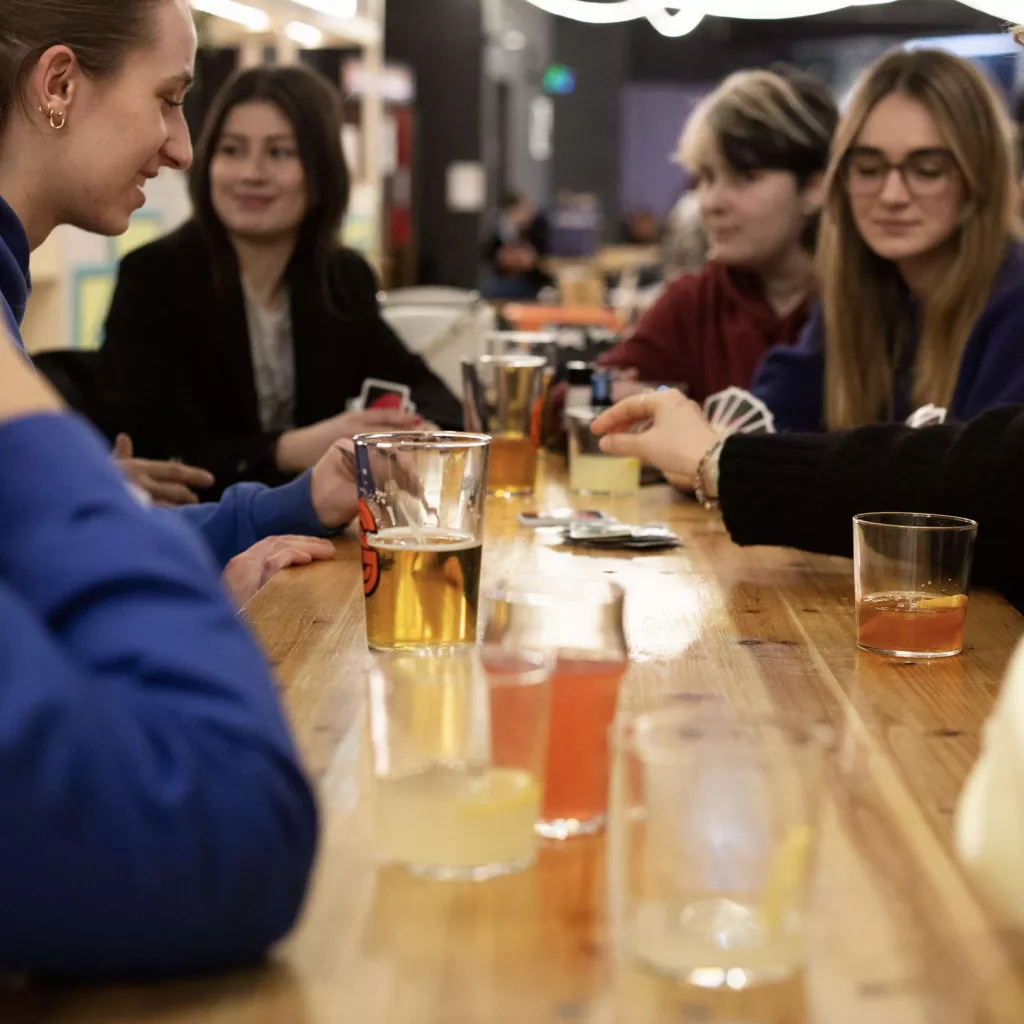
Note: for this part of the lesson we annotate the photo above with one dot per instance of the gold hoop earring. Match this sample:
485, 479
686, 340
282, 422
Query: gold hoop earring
52, 116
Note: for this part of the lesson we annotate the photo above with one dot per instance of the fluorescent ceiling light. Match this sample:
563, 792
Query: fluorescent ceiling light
305, 35
986, 44
242, 14
334, 8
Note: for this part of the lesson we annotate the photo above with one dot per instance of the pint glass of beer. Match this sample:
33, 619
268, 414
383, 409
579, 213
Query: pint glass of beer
421, 513
504, 397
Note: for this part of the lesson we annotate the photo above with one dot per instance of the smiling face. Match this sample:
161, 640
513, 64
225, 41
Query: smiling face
123, 129
904, 217
257, 181
752, 219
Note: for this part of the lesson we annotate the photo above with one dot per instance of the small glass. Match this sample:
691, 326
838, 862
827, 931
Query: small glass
580, 621
591, 471
911, 573
713, 828
421, 513
458, 748
504, 397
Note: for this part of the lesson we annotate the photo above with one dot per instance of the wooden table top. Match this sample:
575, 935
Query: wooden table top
897, 935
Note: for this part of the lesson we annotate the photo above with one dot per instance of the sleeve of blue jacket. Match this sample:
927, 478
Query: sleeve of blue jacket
246, 513
155, 817
791, 380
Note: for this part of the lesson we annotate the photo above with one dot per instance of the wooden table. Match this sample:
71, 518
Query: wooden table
898, 937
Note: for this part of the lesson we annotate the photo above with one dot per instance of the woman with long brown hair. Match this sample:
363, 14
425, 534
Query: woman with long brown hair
235, 342
921, 274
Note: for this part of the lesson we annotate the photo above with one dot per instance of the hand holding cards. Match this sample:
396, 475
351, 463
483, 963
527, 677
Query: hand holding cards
735, 411
384, 394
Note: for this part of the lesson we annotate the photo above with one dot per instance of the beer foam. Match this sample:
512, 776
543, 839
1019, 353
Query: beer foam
430, 538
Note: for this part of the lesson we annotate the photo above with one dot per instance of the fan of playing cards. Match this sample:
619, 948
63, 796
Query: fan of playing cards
735, 411
927, 416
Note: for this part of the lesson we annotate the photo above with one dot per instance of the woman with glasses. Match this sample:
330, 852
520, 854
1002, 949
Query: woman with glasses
921, 276
758, 147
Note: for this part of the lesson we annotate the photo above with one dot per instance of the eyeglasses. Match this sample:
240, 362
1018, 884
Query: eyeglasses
925, 173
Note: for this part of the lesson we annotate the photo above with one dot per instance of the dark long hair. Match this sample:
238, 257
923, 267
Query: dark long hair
313, 108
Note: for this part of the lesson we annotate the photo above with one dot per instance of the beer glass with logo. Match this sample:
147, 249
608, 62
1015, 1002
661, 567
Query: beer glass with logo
421, 515
504, 397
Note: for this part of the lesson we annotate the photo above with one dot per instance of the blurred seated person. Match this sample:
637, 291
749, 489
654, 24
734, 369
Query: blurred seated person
758, 148
922, 273
514, 251
684, 246
641, 227
235, 343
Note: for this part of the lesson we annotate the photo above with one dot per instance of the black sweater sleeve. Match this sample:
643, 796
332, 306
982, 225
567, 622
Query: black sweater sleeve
802, 491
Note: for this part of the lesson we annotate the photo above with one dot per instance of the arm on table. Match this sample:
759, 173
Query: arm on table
802, 491
155, 815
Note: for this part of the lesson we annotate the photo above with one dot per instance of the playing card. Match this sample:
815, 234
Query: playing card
384, 394
621, 536
927, 416
562, 517
737, 411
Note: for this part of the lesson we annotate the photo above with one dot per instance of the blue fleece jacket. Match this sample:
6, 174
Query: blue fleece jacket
155, 817
791, 381
245, 513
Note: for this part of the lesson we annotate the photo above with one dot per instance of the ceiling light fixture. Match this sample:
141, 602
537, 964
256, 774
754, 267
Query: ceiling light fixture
305, 35
678, 17
242, 14
333, 8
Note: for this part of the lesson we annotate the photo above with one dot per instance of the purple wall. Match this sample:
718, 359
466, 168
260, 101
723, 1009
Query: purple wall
653, 115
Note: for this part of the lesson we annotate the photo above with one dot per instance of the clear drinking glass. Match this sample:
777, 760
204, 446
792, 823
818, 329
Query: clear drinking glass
532, 343
581, 622
911, 573
421, 511
713, 826
504, 396
591, 471
458, 750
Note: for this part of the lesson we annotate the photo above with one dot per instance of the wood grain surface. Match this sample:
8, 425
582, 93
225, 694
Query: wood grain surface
898, 937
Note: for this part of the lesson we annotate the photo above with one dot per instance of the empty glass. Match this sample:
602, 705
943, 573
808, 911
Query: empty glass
714, 821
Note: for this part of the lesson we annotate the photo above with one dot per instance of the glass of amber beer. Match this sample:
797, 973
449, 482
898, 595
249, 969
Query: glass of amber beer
421, 514
911, 573
504, 397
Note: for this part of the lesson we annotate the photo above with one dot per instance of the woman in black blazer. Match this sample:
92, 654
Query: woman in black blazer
235, 342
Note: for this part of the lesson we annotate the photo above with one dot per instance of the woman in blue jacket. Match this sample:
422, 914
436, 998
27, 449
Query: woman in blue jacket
155, 817
922, 276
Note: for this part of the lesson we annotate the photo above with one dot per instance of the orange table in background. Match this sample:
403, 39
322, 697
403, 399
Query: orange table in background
535, 317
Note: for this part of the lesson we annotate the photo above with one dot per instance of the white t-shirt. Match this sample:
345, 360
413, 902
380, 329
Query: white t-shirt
273, 362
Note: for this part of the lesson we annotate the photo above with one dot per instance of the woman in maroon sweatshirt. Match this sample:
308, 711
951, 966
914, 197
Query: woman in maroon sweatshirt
758, 146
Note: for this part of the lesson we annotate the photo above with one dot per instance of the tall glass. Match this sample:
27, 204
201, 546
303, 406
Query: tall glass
714, 821
533, 343
911, 573
504, 397
458, 747
581, 623
421, 511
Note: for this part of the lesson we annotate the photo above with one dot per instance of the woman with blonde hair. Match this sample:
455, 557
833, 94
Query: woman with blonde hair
922, 276
758, 146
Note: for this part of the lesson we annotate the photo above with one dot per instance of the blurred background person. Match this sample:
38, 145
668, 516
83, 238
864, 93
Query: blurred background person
922, 276
684, 246
235, 342
514, 250
758, 147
